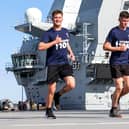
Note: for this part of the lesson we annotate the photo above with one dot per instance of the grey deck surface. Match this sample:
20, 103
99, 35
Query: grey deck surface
65, 120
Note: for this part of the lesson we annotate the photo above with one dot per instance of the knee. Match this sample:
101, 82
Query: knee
119, 89
72, 86
71, 83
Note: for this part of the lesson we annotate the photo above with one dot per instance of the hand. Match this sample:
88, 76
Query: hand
72, 57
123, 47
58, 39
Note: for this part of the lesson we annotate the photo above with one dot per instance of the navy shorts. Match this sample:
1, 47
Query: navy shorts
119, 70
58, 71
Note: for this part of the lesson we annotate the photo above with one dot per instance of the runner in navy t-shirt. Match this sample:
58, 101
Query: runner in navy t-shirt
57, 54
117, 42
56, 42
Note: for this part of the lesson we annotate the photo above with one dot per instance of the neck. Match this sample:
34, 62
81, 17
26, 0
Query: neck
57, 27
122, 28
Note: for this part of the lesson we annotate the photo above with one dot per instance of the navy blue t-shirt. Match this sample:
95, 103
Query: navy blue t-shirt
116, 37
56, 54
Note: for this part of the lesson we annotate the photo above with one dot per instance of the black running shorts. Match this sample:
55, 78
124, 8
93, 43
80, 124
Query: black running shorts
119, 70
58, 71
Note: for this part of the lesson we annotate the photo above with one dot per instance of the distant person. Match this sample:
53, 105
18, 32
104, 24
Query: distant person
56, 42
117, 42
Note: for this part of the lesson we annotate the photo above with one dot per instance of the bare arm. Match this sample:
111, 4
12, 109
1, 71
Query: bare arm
71, 54
107, 46
44, 46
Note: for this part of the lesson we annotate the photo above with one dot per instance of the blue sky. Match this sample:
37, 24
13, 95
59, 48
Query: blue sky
12, 13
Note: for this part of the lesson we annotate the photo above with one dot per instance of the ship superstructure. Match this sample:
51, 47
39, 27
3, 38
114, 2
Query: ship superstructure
88, 22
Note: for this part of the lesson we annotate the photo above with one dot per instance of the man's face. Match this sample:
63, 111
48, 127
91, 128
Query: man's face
57, 19
124, 22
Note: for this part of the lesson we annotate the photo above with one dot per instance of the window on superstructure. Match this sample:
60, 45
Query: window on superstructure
24, 60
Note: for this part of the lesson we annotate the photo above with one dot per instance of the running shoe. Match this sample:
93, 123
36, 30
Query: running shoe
50, 114
114, 112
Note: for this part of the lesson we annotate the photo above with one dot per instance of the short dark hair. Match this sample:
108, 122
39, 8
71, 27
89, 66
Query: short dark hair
124, 14
57, 11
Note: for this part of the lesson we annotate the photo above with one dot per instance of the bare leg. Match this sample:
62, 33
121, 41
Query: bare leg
70, 84
50, 96
125, 89
51, 91
119, 86
115, 99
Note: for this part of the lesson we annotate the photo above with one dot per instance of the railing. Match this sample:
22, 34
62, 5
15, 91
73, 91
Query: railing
24, 65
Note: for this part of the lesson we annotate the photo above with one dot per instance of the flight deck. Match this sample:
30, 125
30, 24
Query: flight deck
66, 119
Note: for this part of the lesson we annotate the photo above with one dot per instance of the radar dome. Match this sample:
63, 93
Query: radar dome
33, 15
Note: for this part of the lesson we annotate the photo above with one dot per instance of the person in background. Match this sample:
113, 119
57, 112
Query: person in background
57, 43
117, 42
